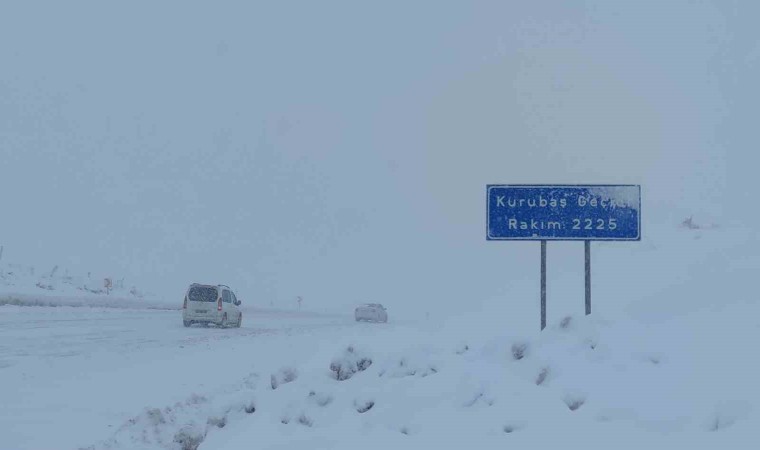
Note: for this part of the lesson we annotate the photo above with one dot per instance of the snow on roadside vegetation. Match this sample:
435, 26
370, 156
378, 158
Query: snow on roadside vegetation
26, 286
92, 301
582, 381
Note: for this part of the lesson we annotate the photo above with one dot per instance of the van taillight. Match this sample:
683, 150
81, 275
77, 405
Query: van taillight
184, 305
219, 305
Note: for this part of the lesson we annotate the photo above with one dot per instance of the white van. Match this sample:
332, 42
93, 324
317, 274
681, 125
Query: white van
207, 304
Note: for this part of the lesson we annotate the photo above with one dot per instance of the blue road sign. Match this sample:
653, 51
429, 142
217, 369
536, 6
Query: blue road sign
564, 212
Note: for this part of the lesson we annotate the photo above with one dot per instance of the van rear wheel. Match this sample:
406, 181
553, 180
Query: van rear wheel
224, 321
187, 323
240, 320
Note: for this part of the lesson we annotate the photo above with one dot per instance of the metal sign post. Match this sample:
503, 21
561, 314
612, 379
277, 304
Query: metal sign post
543, 284
563, 213
587, 244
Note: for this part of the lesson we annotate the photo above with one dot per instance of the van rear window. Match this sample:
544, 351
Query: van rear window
202, 294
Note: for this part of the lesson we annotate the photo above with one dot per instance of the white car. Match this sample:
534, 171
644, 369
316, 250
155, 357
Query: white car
371, 312
208, 304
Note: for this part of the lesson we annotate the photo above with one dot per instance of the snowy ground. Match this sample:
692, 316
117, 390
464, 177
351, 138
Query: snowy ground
71, 376
666, 363
81, 377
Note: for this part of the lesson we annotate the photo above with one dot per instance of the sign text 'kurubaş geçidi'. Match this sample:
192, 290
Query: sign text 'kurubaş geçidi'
564, 212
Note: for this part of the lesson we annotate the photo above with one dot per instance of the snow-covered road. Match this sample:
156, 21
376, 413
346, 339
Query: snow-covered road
70, 376
64, 332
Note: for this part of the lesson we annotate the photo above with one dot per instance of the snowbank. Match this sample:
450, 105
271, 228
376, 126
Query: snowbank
583, 382
92, 301
26, 286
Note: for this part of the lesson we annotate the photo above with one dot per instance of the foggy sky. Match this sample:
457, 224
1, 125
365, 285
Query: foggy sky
340, 150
